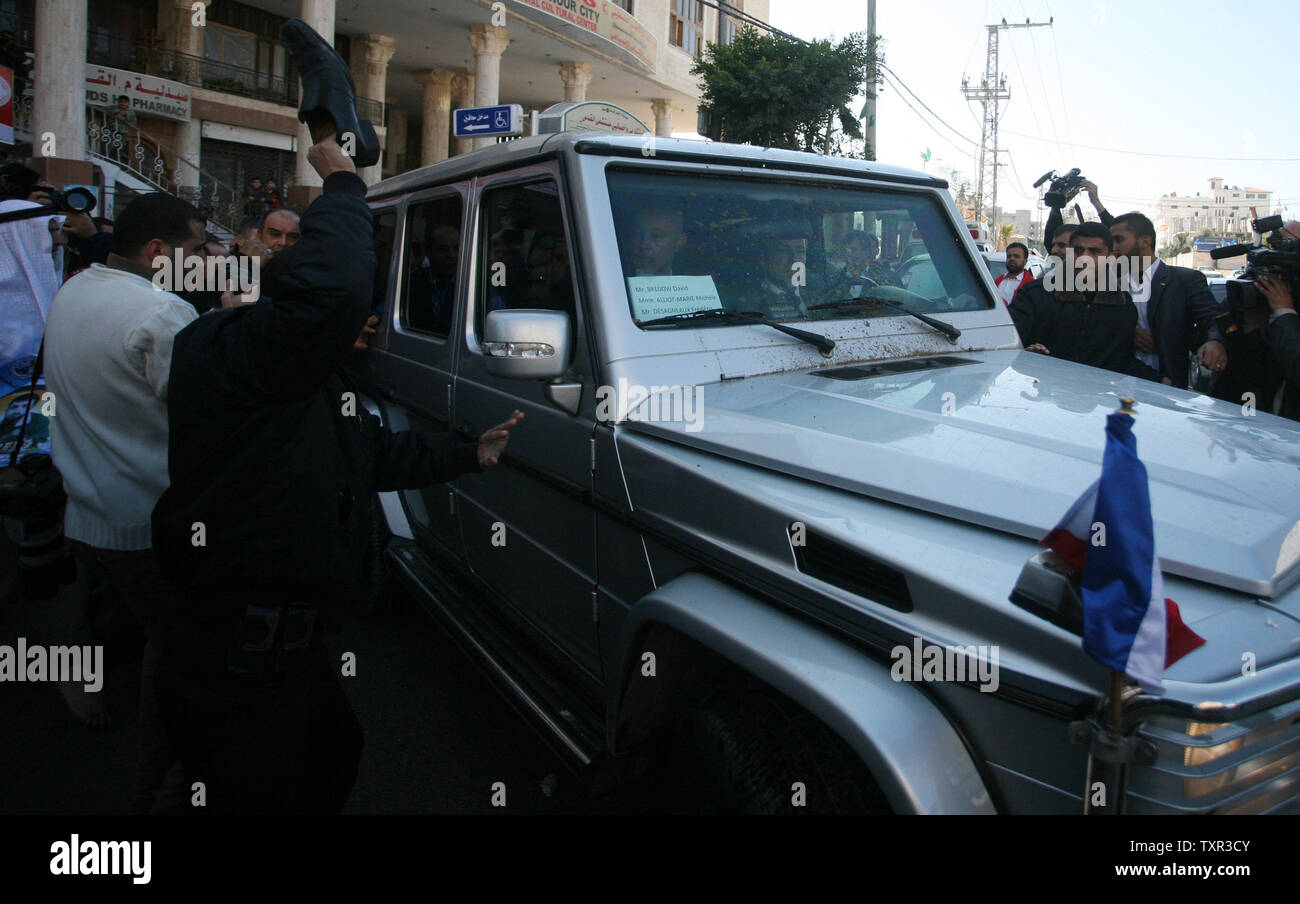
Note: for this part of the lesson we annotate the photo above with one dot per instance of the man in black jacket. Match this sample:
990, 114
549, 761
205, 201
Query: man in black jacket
272, 462
1176, 310
1091, 327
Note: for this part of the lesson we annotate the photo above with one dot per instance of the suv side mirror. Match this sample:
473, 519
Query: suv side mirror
527, 344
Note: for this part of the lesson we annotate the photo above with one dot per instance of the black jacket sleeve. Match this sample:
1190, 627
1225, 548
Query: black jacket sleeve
289, 343
1054, 221
1202, 309
94, 249
1284, 337
409, 460
1025, 315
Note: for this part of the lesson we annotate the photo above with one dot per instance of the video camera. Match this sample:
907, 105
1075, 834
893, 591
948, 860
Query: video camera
1280, 257
20, 181
1062, 189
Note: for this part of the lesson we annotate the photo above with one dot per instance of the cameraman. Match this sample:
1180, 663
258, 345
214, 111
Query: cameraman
1283, 332
1056, 218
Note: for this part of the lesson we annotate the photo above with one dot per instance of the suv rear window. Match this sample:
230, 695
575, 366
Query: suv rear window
694, 242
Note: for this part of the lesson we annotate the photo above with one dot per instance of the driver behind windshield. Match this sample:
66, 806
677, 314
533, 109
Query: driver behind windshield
862, 267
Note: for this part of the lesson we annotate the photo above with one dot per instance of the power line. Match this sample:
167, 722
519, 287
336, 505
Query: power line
1042, 79
930, 125
927, 107
1060, 79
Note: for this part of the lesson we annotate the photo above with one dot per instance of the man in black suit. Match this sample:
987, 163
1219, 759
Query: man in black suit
1176, 309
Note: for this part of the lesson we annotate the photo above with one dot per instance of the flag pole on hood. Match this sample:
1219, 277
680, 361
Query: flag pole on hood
1129, 625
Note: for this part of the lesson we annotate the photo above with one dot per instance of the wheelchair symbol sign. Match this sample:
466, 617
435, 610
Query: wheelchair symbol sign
501, 120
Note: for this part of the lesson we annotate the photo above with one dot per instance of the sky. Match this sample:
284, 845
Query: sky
1191, 84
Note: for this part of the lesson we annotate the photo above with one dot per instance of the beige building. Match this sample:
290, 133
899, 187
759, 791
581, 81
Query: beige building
212, 93
1224, 210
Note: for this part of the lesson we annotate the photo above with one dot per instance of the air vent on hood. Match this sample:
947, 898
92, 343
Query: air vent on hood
864, 371
850, 570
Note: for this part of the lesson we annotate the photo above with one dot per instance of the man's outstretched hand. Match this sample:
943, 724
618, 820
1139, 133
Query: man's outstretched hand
493, 441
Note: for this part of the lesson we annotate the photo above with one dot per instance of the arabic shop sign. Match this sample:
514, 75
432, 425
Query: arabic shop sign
602, 19
589, 116
149, 95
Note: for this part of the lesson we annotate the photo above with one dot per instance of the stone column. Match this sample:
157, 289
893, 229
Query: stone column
663, 111
462, 94
179, 33
369, 64
435, 125
59, 91
395, 147
488, 42
189, 137
319, 14
576, 77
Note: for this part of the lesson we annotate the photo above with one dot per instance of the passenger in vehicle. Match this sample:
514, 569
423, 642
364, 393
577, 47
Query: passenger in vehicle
658, 235
432, 292
549, 286
784, 279
508, 271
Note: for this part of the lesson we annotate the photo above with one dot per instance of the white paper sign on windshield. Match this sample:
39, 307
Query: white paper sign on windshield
664, 296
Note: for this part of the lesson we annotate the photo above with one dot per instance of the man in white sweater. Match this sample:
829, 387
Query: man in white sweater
108, 347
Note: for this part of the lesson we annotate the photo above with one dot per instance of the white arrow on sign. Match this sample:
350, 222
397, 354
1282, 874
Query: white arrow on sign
474, 128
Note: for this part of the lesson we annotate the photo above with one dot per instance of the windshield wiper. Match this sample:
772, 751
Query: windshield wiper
946, 328
824, 345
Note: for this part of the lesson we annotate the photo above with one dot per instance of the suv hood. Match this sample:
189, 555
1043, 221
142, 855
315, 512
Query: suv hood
1009, 440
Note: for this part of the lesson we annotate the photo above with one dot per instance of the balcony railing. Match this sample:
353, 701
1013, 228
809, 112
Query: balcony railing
153, 162
196, 71
201, 72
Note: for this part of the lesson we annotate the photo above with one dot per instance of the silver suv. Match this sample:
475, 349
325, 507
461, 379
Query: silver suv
782, 454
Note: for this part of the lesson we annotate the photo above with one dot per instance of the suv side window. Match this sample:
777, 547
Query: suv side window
526, 264
433, 255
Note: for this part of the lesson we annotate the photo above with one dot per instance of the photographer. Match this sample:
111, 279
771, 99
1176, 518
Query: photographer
266, 523
1283, 333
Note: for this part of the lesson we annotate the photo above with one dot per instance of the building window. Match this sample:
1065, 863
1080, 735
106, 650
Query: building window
624, 4
727, 33
685, 24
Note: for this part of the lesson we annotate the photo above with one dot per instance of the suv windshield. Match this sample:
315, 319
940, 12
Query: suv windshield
778, 249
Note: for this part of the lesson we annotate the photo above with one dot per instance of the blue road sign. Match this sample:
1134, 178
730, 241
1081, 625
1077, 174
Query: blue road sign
473, 122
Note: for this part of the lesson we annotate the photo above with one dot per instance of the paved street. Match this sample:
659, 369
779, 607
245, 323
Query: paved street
437, 735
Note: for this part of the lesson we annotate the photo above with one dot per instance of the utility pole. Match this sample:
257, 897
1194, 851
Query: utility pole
869, 124
991, 90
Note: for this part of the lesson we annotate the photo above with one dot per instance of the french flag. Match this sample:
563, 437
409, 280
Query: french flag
1128, 624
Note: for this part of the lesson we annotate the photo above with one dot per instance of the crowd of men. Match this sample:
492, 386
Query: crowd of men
219, 483
1162, 323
